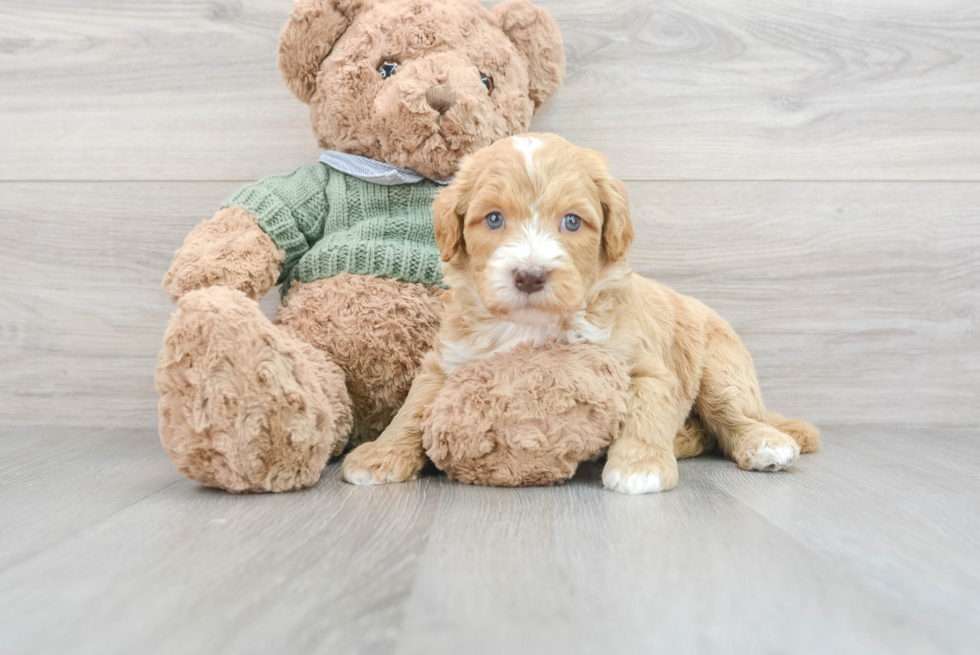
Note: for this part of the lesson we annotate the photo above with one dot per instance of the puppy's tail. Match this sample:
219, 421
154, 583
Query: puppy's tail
803, 432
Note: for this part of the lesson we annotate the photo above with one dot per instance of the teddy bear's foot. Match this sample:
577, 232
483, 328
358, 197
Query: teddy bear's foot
243, 405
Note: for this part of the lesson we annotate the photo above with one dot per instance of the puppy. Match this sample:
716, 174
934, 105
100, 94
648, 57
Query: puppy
534, 234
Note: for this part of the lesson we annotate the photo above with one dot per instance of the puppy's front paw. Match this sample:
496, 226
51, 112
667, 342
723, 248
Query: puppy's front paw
642, 476
380, 463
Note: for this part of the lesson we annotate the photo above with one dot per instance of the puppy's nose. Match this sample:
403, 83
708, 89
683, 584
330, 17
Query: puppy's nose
530, 280
441, 98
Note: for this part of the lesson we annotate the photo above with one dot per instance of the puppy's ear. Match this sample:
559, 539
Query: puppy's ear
313, 27
448, 221
617, 226
537, 38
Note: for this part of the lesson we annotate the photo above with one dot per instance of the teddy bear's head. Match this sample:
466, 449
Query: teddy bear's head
420, 83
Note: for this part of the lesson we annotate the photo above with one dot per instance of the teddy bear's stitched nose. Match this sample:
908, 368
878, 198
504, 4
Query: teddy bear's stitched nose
441, 98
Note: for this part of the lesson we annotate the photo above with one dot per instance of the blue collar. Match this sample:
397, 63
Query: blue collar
371, 170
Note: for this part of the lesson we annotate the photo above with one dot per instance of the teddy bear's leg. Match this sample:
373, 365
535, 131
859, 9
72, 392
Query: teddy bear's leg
376, 329
244, 405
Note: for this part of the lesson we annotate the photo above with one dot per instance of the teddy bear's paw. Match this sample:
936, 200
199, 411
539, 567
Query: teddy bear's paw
377, 462
766, 449
229, 250
644, 475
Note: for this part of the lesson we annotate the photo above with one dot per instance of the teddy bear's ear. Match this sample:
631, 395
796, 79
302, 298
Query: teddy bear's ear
538, 40
313, 27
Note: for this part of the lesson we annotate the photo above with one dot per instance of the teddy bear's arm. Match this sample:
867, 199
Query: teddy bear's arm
256, 238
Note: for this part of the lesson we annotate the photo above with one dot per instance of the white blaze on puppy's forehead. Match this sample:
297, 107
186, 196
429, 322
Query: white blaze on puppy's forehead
533, 248
527, 145
544, 250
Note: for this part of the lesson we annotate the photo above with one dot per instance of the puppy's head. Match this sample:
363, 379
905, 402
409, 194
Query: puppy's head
532, 223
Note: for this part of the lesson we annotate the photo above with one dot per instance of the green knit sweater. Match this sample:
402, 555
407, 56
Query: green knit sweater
328, 222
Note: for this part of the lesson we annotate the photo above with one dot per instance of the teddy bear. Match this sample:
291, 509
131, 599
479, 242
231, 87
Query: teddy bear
399, 92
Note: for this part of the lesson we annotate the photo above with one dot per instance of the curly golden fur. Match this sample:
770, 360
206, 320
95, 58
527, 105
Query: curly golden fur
227, 250
339, 360
245, 406
331, 50
527, 416
375, 329
682, 356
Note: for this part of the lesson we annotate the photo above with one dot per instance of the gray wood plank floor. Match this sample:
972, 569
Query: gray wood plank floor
869, 546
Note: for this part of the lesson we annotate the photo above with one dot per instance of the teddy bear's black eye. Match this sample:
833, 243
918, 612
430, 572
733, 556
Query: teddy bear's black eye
387, 69
487, 82
494, 220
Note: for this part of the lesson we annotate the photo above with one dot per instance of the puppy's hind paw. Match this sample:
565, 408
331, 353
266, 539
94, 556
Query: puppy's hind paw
771, 457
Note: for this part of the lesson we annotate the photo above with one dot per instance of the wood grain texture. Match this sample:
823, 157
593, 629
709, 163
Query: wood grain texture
865, 547
581, 571
188, 569
895, 524
71, 479
674, 89
809, 170
859, 301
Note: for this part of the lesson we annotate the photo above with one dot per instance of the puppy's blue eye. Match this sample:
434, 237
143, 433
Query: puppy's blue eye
487, 82
494, 220
571, 222
387, 69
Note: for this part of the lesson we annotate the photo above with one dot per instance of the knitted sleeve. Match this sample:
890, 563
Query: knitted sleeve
291, 209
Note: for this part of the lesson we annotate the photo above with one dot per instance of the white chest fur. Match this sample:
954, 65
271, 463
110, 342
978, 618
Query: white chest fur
493, 337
